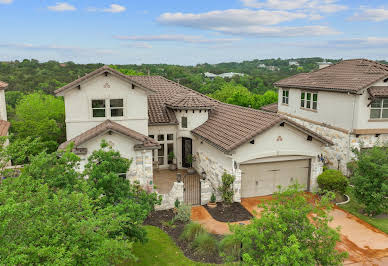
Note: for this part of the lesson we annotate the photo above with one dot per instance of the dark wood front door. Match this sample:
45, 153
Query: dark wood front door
186, 151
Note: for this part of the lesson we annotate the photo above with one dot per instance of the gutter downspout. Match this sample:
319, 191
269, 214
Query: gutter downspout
351, 130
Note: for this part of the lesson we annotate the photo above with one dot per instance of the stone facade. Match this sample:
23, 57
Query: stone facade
142, 170
338, 155
206, 191
237, 186
168, 200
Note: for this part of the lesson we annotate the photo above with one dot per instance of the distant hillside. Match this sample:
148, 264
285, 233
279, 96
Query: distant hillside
31, 75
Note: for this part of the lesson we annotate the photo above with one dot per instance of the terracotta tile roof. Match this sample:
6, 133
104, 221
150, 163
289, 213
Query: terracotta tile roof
273, 107
109, 125
346, 76
95, 73
4, 126
3, 85
190, 100
378, 91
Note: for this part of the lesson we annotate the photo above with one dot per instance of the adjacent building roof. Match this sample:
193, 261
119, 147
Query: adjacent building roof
346, 76
108, 125
378, 91
104, 69
273, 108
3, 85
4, 126
190, 101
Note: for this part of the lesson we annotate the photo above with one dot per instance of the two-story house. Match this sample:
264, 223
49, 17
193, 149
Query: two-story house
4, 124
148, 117
346, 102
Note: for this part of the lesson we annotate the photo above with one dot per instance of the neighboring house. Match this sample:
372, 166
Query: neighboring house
147, 117
223, 75
4, 124
345, 102
273, 68
293, 63
261, 66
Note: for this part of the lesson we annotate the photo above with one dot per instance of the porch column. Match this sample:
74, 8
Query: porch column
237, 186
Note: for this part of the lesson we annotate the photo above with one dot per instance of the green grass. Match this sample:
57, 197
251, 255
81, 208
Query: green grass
160, 250
354, 207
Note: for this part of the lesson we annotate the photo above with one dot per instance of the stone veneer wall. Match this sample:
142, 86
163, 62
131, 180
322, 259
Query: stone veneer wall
343, 144
141, 169
168, 200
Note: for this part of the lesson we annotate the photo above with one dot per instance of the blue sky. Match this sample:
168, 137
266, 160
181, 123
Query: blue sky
191, 32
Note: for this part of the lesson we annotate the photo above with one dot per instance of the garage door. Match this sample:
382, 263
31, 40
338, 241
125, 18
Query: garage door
261, 179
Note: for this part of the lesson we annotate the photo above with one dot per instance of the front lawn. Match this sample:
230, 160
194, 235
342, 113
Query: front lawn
354, 208
160, 250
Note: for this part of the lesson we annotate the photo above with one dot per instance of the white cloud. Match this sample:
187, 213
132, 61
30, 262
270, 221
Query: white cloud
60, 7
372, 14
114, 8
230, 17
56, 48
347, 43
174, 38
6, 1
142, 45
325, 6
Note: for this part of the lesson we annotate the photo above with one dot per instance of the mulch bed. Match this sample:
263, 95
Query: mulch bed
157, 218
234, 212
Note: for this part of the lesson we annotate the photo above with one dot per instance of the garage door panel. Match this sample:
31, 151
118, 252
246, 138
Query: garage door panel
264, 178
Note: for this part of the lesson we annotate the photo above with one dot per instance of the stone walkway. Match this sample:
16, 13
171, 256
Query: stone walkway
365, 244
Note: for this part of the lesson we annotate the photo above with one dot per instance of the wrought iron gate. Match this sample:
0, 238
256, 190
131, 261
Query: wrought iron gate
192, 189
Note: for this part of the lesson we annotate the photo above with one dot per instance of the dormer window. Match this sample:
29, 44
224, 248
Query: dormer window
379, 108
285, 96
184, 122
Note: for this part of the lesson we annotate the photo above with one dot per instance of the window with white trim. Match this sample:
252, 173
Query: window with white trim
379, 108
285, 94
166, 142
107, 108
309, 100
184, 122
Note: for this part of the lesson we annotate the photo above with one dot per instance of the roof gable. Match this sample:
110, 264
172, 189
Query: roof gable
97, 72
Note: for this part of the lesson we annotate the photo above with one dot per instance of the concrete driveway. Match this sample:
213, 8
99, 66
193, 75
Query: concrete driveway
365, 244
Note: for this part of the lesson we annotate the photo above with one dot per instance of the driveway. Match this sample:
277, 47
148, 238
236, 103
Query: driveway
365, 244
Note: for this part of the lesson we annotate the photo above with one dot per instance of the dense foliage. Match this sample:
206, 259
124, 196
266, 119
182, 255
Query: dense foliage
290, 231
370, 179
39, 115
50, 214
226, 188
333, 180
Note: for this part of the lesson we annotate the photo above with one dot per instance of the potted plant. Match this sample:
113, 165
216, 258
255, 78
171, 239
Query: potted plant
171, 158
190, 159
177, 203
212, 203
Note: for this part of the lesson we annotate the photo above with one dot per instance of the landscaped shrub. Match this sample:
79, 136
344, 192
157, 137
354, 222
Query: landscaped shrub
333, 180
177, 203
204, 244
191, 231
183, 213
230, 247
226, 188
213, 198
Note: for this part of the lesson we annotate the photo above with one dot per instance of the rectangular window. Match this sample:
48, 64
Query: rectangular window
151, 136
98, 108
379, 109
160, 137
285, 96
170, 149
309, 100
116, 107
161, 155
184, 122
170, 136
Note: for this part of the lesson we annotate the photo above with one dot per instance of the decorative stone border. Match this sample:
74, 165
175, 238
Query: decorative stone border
344, 202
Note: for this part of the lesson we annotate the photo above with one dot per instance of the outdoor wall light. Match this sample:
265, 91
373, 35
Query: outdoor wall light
203, 174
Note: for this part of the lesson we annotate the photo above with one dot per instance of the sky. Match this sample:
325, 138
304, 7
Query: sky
189, 32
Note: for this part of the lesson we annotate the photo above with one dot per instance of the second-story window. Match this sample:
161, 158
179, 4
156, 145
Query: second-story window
309, 100
379, 108
285, 96
184, 122
98, 108
116, 107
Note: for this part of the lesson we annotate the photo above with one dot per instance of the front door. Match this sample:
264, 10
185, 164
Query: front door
186, 151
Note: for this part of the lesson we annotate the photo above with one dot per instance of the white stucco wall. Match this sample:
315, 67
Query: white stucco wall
79, 112
3, 106
335, 109
195, 118
363, 120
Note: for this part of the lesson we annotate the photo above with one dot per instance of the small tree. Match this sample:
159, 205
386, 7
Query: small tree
290, 231
333, 180
370, 179
226, 188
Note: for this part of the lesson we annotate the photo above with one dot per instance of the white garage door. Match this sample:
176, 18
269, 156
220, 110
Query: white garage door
261, 179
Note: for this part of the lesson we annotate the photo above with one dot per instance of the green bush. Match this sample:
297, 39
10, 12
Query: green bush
183, 213
204, 244
230, 247
226, 188
177, 203
333, 180
191, 231
213, 198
